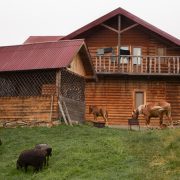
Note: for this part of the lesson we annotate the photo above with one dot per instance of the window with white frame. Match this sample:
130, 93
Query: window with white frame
136, 52
139, 98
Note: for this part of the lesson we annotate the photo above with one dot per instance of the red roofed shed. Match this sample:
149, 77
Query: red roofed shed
35, 77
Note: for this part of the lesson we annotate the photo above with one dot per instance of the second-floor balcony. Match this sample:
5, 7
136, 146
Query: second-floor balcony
138, 65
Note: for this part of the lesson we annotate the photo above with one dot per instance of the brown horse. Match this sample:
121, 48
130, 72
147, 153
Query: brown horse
150, 110
98, 112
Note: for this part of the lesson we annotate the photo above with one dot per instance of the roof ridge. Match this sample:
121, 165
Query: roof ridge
54, 42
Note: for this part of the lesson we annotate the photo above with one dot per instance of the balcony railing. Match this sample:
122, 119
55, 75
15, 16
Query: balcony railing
169, 65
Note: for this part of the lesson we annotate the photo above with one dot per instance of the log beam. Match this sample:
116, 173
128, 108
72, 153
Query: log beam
110, 28
119, 31
128, 28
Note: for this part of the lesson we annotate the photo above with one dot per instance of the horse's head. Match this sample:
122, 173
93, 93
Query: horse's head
138, 111
135, 114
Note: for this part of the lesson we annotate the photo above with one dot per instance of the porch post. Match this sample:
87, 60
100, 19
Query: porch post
119, 33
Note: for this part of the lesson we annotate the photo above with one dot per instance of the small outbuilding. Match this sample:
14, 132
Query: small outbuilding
35, 79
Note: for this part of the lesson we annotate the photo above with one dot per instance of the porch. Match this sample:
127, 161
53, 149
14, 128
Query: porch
137, 65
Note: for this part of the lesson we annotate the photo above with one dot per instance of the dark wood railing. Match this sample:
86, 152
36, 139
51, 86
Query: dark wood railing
169, 65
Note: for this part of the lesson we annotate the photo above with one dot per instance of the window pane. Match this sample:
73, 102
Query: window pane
161, 52
136, 52
124, 47
124, 59
139, 98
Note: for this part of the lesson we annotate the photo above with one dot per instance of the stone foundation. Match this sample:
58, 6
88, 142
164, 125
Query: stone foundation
33, 123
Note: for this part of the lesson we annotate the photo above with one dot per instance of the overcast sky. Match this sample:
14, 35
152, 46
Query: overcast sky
20, 19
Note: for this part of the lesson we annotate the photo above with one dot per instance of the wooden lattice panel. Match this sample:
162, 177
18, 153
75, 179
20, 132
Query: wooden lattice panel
26, 83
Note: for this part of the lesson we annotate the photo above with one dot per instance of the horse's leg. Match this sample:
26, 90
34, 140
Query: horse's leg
95, 117
105, 119
148, 122
150, 127
104, 115
170, 119
160, 120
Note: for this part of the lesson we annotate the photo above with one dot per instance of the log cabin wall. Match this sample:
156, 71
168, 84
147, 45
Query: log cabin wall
28, 111
116, 95
28, 98
173, 96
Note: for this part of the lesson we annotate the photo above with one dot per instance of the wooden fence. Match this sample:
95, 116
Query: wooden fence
169, 65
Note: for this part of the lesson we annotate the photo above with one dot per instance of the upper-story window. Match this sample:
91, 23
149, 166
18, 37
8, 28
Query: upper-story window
161, 51
136, 52
105, 51
124, 53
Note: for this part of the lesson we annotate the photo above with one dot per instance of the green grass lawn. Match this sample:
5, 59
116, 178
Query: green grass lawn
85, 152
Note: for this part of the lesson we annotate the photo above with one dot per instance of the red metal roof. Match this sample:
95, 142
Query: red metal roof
39, 56
128, 15
39, 39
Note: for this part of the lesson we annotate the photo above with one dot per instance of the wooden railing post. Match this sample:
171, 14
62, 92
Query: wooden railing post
159, 65
150, 62
104, 59
109, 68
178, 59
169, 66
141, 59
154, 65
137, 65
100, 64
174, 65
146, 65
130, 64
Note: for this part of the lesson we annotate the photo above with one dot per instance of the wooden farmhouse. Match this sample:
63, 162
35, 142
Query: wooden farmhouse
36, 79
135, 63
118, 62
